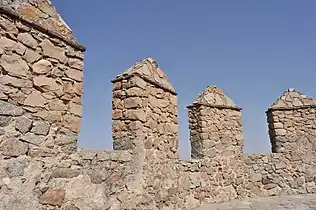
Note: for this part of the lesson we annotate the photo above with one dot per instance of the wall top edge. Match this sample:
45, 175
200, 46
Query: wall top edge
214, 106
13, 14
147, 79
290, 108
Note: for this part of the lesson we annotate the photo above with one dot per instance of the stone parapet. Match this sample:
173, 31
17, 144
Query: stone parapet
215, 125
41, 79
41, 15
41, 167
292, 125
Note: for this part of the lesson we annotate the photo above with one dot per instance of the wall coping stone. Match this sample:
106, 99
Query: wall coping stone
290, 108
147, 79
38, 26
214, 106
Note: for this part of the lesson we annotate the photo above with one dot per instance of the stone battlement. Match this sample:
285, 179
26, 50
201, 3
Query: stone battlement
41, 167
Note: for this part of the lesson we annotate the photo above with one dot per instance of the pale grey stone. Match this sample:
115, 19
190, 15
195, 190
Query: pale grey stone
33, 139
13, 147
65, 139
286, 202
65, 173
4, 121
9, 109
40, 128
23, 124
16, 168
2, 132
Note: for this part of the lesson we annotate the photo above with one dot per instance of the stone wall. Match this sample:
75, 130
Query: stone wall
286, 202
292, 126
145, 105
41, 167
215, 125
41, 75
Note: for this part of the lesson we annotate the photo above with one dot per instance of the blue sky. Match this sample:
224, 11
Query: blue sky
252, 50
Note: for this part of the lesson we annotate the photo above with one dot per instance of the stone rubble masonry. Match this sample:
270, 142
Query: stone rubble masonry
285, 202
292, 126
215, 125
41, 167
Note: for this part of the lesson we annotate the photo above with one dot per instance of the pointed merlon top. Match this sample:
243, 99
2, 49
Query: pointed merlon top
292, 99
214, 97
148, 70
41, 14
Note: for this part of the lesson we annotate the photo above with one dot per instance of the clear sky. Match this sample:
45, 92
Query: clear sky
252, 50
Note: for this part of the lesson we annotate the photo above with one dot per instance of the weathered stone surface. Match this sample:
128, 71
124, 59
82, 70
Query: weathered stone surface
133, 102
15, 82
50, 116
33, 139
16, 168
9, 109
293, 202
214, 97
53, 197
40, 167
214, 116
65, 173
72, 122
13, 147
75, 109
52, 51
35, 99
292, 98
46, 83
14, 65
40, 128
57, 72
42, 67
75, 54
62, 139
23, 124
27, 39
149, 69
31, 56
8, 26
75, 63
57, 105
5, 120
70, 207
136, 115
74, 74
10, 45
85, 193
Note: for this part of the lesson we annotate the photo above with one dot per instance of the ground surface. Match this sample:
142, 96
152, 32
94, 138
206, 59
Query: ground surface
295, 202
